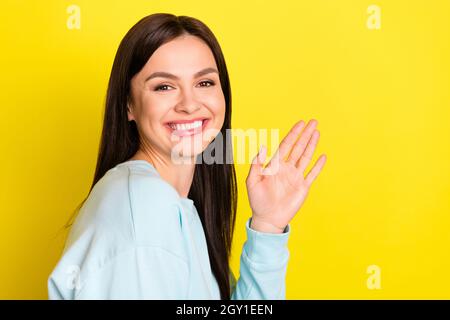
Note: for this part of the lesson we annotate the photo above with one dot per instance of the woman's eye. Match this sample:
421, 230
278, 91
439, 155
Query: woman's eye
207, 83
162, 87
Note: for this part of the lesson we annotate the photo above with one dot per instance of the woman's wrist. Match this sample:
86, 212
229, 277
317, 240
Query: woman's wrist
266, 227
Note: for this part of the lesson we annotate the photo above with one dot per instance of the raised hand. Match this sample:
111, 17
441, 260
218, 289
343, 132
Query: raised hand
276, 192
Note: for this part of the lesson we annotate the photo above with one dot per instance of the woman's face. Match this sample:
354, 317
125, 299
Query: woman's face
177, 100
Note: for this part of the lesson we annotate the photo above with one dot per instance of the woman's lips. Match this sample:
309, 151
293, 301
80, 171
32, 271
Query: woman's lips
187, 132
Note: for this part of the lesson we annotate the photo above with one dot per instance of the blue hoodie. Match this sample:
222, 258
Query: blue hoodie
136, 238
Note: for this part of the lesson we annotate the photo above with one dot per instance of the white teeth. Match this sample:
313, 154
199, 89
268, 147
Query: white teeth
186, 126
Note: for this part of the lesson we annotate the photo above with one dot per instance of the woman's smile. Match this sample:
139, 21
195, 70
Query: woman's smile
184, 128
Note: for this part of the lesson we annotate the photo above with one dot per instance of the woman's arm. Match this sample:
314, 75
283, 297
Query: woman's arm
131, 247
276, 192
263, 266
138, 273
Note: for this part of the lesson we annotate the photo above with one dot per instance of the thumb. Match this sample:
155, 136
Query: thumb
257, 166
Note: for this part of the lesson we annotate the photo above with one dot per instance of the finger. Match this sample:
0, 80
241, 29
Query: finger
287, 143
312, 175
257, 166
306, 157
302, 142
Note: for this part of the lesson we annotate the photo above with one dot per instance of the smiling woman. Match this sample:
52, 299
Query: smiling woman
151, 228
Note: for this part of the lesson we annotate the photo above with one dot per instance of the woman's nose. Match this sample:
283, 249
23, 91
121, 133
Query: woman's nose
187, 102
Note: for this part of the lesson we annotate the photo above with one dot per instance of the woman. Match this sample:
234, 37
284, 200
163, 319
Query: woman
157, 226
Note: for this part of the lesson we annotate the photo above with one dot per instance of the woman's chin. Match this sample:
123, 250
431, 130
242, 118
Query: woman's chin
186, 155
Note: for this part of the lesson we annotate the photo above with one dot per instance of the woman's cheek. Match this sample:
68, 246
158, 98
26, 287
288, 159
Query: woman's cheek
220, 112
217, 104
158, 106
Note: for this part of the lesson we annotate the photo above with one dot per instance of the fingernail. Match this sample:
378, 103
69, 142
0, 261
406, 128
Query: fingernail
263, 147
261, 153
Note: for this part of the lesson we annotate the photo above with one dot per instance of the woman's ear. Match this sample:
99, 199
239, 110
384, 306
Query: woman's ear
130, 112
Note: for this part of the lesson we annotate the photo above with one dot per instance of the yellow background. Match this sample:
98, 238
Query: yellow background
381, 98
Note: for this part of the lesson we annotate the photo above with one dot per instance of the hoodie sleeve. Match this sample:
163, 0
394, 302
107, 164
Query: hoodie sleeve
136, 273
134, 248
139, 273
263, 266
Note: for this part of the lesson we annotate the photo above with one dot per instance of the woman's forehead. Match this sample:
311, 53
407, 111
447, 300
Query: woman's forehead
181, 56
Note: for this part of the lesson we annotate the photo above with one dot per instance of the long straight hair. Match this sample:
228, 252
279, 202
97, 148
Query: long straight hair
213, 189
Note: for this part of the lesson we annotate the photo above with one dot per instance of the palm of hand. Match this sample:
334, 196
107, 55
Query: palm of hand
276, 192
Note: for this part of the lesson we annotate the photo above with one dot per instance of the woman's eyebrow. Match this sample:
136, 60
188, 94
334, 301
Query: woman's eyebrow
162, 74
